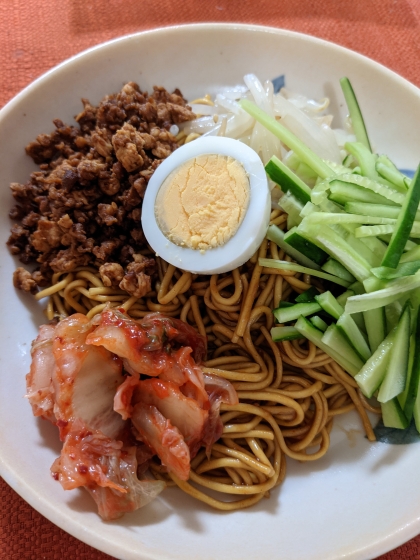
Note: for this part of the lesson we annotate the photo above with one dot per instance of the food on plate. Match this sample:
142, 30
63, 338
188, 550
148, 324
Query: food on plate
207, 373
110, 423
221, 217
202, 203
83, 206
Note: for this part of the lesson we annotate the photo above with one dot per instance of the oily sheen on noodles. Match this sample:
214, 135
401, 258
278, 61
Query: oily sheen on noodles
289, 392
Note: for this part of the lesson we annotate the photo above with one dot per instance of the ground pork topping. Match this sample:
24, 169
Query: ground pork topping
83, 206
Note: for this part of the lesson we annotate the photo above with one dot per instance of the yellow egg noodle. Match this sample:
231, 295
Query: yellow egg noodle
289, 392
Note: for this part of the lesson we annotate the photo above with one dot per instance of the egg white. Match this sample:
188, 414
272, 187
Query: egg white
243, 244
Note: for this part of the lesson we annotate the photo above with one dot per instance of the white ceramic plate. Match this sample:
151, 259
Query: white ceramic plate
357, 502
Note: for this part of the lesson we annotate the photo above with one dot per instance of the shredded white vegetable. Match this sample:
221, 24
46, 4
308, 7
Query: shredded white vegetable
307, 118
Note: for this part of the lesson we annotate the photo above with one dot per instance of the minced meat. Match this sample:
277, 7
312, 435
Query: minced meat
83, 205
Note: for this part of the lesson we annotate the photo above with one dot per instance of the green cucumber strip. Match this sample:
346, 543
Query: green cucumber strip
288, 138
285, 333
373, 284
357, 288
375, 324
393, 415
404, 224
373, 231
378, 188
408, 397
364, 158
403, 269
379, 298
308, 209
408, 246
393, 313
303, 171
416, 412
299, 242
346, 231
339, 249
369, 231
320, 191
342, 193
347, 326
356, 117
293, 207
342, 298
334, 339
392, 175
367, 161
310, 332
338, 168
319, 323
285, 265
276, 235
308, 296
337, 269
377, 246
380, 210
348, 161
412, 254
396, 374
329, 304
332, 218
287, 314
358, 317
330, 206
373, 372
413, 385
287, 180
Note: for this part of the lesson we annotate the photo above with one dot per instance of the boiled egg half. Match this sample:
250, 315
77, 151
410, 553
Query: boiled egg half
207, 206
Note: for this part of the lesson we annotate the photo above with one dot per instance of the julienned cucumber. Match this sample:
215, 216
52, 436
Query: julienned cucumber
310, 332
404, 224
285, 315
373, 372
355, 113
347, 326
334, 267
287, 180
414, 376
276, 235
278, 334
396, 374
299, 242
393, 416
357, 222
329, 304
343, 193
336, 341
319, 323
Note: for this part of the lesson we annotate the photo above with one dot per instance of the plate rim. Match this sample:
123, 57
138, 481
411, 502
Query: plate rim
21, 486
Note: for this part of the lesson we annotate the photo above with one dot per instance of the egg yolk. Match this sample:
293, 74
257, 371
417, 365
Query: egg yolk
202, 203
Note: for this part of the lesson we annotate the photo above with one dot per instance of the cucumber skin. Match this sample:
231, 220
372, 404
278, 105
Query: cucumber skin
313, 334
393, 415
310, 250
370, 381
277, 337
404, 224
397, 368
287, 314
330, 305
414, 381
287, 180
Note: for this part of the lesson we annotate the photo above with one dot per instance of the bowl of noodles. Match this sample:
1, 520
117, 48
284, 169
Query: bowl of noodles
297, 472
